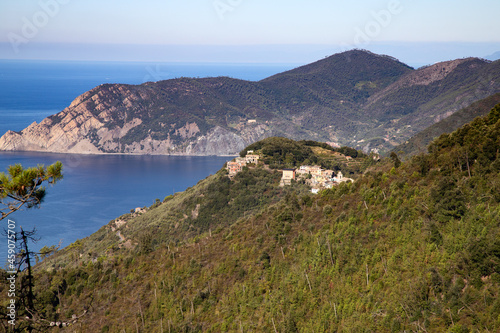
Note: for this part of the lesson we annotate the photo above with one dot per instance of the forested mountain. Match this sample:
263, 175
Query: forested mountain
412, 246
355, 98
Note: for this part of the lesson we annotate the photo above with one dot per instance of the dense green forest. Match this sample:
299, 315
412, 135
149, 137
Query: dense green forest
279, 153
412, 246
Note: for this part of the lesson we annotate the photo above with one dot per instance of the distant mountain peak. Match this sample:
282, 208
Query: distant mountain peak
353, 65
364, 53
493, 57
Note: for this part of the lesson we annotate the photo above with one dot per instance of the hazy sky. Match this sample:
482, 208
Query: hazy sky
170, 30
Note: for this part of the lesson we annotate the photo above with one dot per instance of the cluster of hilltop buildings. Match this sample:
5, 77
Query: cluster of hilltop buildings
237, 165
314, 176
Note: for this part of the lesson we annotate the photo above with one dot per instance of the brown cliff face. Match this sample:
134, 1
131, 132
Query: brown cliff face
67, 131
69, 135
97, 121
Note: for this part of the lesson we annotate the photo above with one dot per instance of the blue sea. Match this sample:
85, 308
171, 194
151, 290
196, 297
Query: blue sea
96, 188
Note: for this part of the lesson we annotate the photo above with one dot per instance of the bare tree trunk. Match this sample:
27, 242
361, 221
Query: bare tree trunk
329, 250
30, 296
367, 281
308, 282
275, 331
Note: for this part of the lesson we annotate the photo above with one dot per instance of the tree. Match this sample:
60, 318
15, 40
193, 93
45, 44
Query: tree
30, 319
23, 187
394, 157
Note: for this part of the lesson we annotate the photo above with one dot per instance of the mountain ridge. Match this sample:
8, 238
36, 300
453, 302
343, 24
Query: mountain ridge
418, 143
355, 98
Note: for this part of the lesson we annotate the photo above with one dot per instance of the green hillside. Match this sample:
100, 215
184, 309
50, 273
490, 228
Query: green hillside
413, 248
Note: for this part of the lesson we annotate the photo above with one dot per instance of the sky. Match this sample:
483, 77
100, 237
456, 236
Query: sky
291, 31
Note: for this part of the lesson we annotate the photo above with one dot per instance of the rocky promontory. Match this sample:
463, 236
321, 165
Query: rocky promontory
99, 121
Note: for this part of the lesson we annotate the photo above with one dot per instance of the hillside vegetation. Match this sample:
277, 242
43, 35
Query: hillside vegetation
406, 247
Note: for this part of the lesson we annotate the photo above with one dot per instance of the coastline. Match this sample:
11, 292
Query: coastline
115, 154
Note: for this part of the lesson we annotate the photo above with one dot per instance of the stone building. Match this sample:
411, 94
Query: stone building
252, 158
234, 167
288, 176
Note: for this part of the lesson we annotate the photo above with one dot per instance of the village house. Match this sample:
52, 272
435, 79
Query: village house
311, 170
237, 165
327, 174
288, 176
328, 180
341, 179
318, 175
315, 170
233, 168
303, 170
252, 158
320, 178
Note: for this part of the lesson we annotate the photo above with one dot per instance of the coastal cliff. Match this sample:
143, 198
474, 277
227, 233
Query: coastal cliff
98, 122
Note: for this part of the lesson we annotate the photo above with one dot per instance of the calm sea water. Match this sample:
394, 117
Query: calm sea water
96, 188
